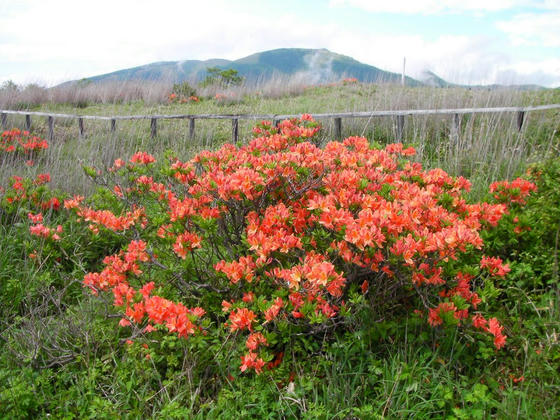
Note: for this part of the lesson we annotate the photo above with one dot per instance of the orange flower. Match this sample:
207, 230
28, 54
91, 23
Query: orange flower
272, 312
186, 242
494, 266
242, 318
143, 158
254, 340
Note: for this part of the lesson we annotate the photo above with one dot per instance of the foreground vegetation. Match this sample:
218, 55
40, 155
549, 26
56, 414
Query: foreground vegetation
261, 281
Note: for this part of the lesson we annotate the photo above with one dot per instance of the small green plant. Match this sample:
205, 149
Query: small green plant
184, 89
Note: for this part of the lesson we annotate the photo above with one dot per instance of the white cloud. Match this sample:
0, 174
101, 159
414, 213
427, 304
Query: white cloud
64, 39
544, 72
551, 4
533, 29
457, 59
103, 36
429, 6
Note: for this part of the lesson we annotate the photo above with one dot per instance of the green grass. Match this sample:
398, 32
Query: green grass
380, 369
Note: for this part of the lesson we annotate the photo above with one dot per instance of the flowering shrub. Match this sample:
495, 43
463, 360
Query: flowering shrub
280, 237
15, 140
29, 193
513, 192
175, 98
535, 221
349, 81
182, 93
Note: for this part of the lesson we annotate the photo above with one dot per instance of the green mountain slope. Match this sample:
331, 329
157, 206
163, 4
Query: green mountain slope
312, 65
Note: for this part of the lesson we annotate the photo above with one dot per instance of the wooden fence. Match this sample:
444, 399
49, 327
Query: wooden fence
399, 116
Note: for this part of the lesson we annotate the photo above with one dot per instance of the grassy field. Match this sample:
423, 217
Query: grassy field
60, 356
489, 146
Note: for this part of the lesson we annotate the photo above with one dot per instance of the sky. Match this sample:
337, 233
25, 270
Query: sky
462, 41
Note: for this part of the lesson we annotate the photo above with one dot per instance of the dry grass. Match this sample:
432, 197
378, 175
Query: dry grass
487, 147
80, 95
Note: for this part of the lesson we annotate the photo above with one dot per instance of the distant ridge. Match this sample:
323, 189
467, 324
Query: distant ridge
429, 78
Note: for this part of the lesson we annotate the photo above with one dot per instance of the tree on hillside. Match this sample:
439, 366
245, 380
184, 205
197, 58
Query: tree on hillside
9, 86
223, 78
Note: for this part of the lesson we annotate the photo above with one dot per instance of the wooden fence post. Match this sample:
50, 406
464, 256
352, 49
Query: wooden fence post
153, 126
400, 127
4, 121
455, 129
235, 129
275, 123
50, 123
191, 128
81, 127
338, 128
28, 122
113, 125
520, 119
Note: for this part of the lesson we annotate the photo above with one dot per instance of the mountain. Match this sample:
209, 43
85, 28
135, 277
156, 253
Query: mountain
310, 65
429, 78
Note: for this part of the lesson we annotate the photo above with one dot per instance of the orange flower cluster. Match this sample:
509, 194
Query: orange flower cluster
272, 233
495, 266
183, 172
106, 218
255, 340
74, 202
273, 311
515, 191
491, 326
38, 229
463, 289
16, 140
252, 361
290, 130
314, 274
235, 271
241, 318
30, 191
175, 316
139, 304
186, 242
174, 98
143, 158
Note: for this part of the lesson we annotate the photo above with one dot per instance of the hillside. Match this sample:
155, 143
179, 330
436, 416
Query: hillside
312, 65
